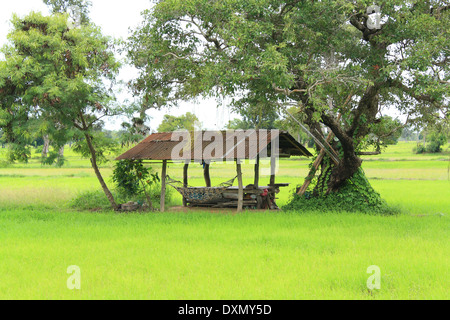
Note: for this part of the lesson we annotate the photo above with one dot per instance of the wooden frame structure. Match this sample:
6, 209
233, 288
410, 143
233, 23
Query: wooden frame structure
252, 144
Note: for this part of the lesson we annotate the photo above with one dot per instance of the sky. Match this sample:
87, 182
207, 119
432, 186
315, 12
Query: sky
116, 17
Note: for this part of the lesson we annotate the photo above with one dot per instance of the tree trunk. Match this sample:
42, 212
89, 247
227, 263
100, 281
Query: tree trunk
46, 146
342, 172
185, 180
60, 155
93, 153
363, 116
206, 174
98, 174
349, 161
149, 199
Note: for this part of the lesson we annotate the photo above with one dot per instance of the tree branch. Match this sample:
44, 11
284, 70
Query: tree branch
419, 97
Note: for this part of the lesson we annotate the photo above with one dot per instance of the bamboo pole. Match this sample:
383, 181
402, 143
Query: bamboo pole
185, 180
316, 163
314, 168
241, 186
316, 140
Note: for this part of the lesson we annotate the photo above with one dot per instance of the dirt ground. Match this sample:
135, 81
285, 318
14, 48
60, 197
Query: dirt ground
212, 210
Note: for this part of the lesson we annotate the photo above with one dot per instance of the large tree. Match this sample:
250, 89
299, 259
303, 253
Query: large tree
78, 9
329, 58
59, 76
256, 117
188, 121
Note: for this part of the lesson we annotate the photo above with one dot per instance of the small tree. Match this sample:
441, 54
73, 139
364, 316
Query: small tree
58, 74
133, 179
188, 121
63, 6
435, 142
255, 117
384, 131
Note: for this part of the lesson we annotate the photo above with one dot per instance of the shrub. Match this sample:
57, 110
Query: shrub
435, 141
420, 149
356, 195
96, 200
132, 178
91, 200
39, 149
5, 164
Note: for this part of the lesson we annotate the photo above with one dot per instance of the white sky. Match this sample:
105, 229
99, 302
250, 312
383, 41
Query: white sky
115, 17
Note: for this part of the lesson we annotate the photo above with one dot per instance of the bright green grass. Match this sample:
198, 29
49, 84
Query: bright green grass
413, 185
416, 197
218, 256
403, 150
302, 255
72, 160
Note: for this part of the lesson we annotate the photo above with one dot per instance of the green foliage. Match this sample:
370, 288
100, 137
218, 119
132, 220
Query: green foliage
62, 6
96, 200
39, 149
385, 131
255, 117
225, 48
62, 77
132, 178
420, 149
53, 80
134, 131
409, 134
357, 195
435, 142
54, 157
286, 123
435, 139
18, 152
320, 56
103, 144
188, 121
91, 200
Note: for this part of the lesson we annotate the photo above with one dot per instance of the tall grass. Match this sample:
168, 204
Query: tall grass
205, 255
217, 256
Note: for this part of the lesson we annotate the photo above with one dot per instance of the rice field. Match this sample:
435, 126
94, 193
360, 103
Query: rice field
223, 255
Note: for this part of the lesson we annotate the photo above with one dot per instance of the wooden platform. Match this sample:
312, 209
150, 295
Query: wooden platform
262, 197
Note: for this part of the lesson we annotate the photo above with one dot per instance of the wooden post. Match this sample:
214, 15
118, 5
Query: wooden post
272, 178
163, 186
185, 180
272, 169
256, 182
241, 186
206, 174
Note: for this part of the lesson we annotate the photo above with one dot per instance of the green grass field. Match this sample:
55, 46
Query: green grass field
211, 255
